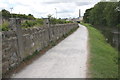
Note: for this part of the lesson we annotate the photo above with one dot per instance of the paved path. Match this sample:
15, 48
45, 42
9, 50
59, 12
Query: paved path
66, 60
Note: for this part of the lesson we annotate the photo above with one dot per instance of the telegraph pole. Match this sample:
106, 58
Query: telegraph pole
11, 11
56, 13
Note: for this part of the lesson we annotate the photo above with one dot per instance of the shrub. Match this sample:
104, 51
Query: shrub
4, 26
118, 26
29, 24
39, 21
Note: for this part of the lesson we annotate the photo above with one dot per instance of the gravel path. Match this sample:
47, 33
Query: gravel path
68, 59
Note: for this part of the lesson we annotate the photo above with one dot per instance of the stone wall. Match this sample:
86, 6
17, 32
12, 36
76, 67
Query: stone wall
32, 39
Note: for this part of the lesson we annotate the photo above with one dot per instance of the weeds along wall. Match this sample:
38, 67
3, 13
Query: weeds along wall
16, 48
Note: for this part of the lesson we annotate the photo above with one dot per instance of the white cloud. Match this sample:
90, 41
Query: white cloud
41, 8
3, 5
22, 9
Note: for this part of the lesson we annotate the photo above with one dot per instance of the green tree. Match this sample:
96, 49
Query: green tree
96, 14
5, 14
111, 14
87, 15
30, 16
49, 16
104, 14
118, 10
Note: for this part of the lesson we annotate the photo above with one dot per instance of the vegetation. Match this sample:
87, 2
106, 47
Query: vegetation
32, 23
103, 61
6, 15
104, 14
4, 26
57, 21
28, 20
103, 58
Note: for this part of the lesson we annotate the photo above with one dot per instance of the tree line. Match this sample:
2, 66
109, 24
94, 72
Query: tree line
6, 15
104, 14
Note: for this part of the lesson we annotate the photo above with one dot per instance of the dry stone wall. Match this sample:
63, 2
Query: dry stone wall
32, 39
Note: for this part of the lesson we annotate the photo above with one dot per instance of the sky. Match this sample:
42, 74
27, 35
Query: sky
42, 8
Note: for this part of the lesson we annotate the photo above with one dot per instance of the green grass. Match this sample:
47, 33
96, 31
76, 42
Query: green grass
103, 61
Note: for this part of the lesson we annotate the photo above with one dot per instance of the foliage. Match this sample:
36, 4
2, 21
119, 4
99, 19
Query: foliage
103, 14
50, 16
39, 21
59, 21
29, 23
30, 16
32, 23
103, 61
96, 14
4, 26
87, 15
118, 26
6, 14
28, 20
111, 14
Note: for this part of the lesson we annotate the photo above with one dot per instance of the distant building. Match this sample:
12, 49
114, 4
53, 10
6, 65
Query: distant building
79, 13
75, 19
79, 19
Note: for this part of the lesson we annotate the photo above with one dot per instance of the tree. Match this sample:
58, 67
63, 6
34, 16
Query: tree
96, 14
86, 15
49, 16
30, 16
111, 14
5, 14
104, 14
118, 10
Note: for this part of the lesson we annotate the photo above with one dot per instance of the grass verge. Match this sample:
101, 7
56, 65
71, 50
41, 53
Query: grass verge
103, 58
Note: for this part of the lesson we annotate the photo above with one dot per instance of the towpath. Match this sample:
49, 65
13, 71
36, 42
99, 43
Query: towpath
68, 59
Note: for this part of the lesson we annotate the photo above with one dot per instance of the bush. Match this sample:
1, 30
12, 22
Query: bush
4, 26
39, 21
59, 21
27, 24
118, 26
32, 23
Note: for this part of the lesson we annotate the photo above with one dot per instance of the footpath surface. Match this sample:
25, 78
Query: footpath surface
68, 59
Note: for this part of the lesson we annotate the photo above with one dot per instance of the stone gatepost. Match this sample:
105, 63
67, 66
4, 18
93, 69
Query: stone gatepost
47, 25
15, 25
46, 22
12, 24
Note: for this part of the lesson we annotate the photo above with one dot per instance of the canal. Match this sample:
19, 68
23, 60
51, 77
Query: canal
112, 36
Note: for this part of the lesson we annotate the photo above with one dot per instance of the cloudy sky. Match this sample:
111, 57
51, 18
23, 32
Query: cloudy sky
41, 8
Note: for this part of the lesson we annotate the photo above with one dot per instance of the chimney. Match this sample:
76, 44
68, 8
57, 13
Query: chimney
79, 13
